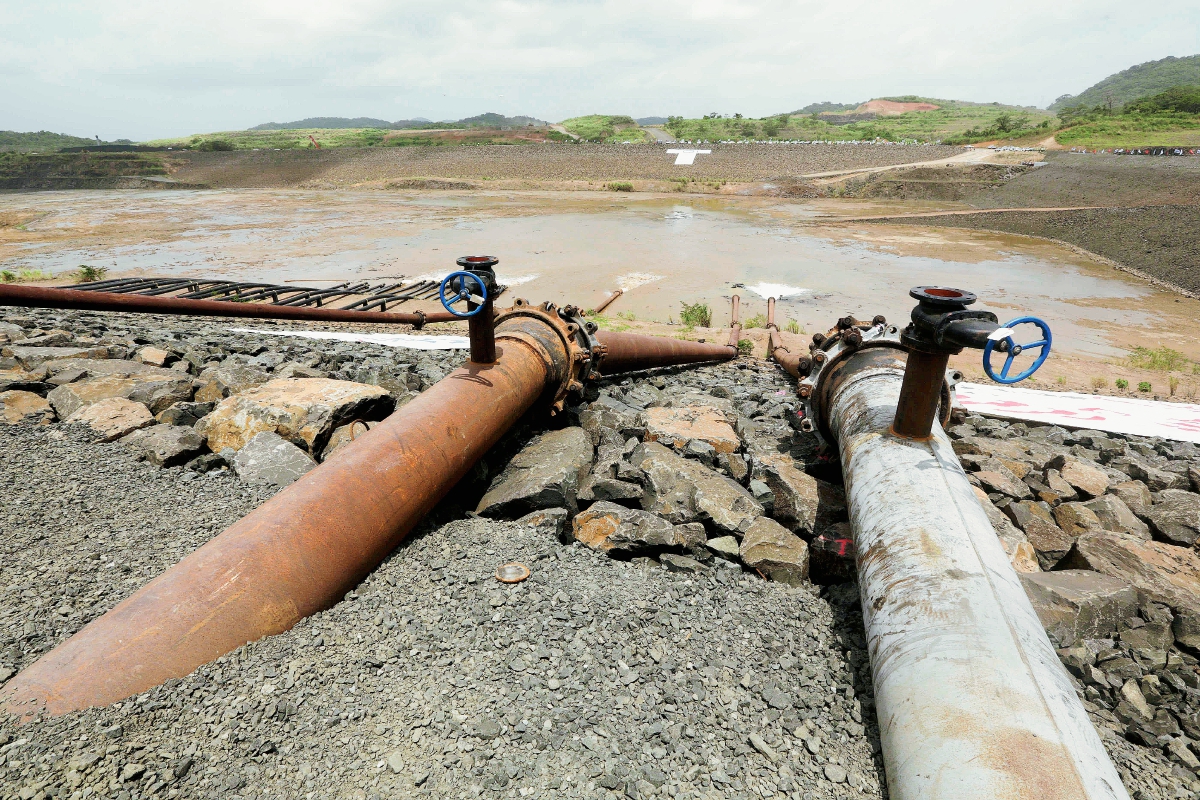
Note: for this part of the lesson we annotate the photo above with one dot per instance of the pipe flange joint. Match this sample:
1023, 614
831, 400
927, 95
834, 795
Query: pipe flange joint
569, 363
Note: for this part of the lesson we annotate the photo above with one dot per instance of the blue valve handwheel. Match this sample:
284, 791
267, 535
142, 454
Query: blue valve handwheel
461, 293
1014, 350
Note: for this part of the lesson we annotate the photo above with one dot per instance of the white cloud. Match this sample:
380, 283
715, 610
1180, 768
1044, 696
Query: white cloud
139, 69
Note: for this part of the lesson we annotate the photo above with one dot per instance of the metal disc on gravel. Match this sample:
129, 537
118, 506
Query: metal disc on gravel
512, 573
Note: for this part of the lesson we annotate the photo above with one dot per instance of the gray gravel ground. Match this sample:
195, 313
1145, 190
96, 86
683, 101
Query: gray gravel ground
596, 678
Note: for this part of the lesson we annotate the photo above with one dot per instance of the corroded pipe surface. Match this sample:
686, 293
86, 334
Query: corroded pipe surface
608, 301
783, 356
735, 325
305, 548
631, 351
920, 394
42, 297
971, 697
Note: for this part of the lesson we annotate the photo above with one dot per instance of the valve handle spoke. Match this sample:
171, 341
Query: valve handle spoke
1005, 344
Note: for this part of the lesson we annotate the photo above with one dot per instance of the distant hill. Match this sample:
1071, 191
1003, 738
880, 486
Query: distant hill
1137, 82
41, 142
826, 107
340, 122
488, 120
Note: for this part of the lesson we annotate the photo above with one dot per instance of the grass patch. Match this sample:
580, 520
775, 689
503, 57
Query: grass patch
619, 186
24, 276
1162, 359
757, 321
696, 315
606, 128
86, 274
1122, 384
745, 347
1161, 129
793, 327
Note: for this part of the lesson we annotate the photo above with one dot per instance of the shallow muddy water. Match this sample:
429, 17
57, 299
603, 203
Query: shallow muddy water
577, 247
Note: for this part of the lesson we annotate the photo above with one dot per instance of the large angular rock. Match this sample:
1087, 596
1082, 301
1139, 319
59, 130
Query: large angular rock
1048, 540
1157, 479
775, 551
19, 380
1175, 518
158, 396
17, 406
30, 357
1114, 515
184, 413
1075, 604
1134, 494
164, 445
104, 379
267, 459
1161, 572
10, 332
546, 473
605, 412
1076, 519
113, 417
795, 493
1003, 482
304, 411
1083, 477
1016, 546
611, 528
683, 490
229, 379
675, 427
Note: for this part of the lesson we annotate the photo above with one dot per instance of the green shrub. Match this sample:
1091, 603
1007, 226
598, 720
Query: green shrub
1122, 384
87, 274
697, 315
757, 321
619, 186
793, 327
1144, 386
215, 145
1163, 359
745, 347
8, 276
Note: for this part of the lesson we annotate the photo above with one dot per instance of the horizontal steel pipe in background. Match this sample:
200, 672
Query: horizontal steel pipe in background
631, 351
971, 697
42, 297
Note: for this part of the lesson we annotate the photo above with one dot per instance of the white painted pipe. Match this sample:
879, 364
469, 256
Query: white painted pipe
971, 698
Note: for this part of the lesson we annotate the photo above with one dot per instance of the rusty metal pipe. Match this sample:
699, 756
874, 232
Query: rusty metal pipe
42, 297
791, 362
305, 548
631, 351
608, 301
735, 326
920, 394
971, 697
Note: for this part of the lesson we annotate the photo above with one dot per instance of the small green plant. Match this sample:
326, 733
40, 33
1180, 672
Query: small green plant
1122, 384
1099, 382
793, 327
1174, 382
87, 274
696, 315
745, 347
619, 186
757, 321
627, 315
8, 276
1144, 386
1061, 380
1162, 359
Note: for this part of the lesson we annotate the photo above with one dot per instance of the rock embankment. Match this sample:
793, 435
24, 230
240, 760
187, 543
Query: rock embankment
690, 627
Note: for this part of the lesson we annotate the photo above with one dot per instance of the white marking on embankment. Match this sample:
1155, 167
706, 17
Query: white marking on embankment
1131, 415
410, 341
687, 156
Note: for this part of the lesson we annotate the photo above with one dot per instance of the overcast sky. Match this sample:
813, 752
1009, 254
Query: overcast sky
140, 70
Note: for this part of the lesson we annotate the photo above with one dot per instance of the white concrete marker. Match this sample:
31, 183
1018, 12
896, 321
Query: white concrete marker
409, 341
687, 156
1180, 421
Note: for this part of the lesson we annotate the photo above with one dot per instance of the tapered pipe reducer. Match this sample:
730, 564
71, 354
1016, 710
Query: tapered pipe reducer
971, 697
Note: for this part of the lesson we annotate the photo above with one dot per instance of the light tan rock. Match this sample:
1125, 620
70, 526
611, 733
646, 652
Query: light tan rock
30, 357
609, 528
111, 378
1076, 519
674, 427
1086, 478
775, 551
153, 356
113, 417
304, 411
19, 406
217, 383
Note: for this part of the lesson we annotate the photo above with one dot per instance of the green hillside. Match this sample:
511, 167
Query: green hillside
39, 142
1136, 82
611, 128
